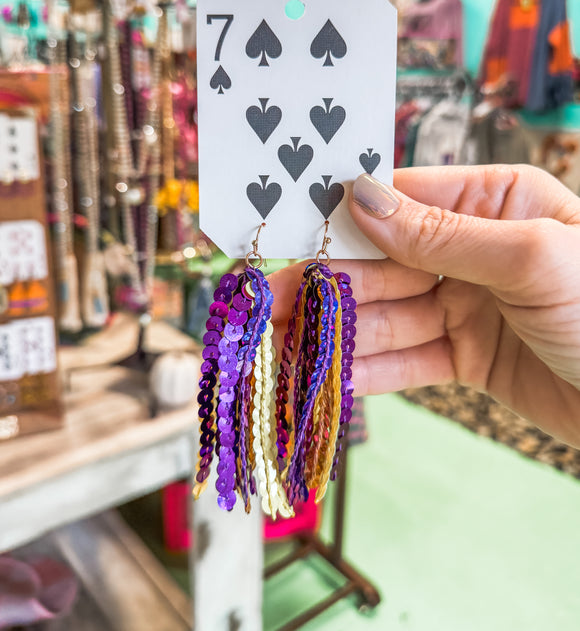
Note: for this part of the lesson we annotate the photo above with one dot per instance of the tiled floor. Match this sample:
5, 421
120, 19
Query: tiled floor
459, 533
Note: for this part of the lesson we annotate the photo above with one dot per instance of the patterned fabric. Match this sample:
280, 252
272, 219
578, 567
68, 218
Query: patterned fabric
529, 50
431, 34
442, 134
510, 47
551, 84
557, 152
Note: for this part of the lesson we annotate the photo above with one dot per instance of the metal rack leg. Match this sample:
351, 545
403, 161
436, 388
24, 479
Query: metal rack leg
312, 544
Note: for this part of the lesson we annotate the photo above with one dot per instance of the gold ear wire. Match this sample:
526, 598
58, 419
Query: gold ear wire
254, 253
326, 241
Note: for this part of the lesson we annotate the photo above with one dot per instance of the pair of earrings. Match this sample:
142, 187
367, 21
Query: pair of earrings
277, 431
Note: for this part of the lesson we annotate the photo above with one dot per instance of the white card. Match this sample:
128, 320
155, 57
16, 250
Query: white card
37, 344
18, 148
11, 357
22, 251
290, 113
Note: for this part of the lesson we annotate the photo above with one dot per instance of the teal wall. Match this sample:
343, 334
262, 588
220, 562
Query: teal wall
477, 14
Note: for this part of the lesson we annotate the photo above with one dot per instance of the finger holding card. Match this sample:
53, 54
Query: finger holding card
291, 111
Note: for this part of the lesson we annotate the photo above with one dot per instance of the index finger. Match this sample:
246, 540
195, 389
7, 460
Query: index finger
371, 281
494, 192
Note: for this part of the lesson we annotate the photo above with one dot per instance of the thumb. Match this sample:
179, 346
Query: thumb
483, 251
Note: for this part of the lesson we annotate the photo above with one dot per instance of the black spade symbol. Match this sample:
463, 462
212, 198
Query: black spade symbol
264, 196
265, 120
326, 197
295, 159
220, 81
370, 161
328, 43
327, 121
264, 44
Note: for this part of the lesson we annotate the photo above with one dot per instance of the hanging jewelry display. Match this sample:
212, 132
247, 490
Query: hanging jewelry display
138, 166
67, 273
84, 71
159, 76
236, 388
168, 221
127, 195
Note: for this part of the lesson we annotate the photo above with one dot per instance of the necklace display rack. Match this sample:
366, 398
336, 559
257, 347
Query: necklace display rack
136, 173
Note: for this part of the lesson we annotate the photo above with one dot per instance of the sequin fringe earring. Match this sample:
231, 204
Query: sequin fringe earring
236, 393
321, 336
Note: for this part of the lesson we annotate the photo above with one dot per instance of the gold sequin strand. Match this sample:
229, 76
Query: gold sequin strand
284, 507
334, 386
268, 479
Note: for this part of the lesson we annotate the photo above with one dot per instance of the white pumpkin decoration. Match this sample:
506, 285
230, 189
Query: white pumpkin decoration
174, 377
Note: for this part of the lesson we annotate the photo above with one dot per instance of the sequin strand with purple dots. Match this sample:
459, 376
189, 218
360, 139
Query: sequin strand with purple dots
236, 396
321, 332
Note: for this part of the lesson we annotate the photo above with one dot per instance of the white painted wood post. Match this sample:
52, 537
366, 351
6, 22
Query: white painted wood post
226, 565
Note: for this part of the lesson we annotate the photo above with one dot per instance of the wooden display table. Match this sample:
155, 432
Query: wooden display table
109, 452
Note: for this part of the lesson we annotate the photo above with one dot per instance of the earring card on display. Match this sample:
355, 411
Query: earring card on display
295, 101
29, 384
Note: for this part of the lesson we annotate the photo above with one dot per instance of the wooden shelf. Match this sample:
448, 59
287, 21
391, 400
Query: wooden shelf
109, 450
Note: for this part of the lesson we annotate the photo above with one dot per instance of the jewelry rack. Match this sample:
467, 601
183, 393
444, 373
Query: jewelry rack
308, 544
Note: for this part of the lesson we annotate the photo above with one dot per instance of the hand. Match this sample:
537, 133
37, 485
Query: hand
506, 318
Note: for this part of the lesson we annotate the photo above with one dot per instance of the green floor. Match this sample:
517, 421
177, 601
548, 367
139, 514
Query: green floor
458, 533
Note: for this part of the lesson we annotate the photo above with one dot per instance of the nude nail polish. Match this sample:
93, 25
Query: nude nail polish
374, 197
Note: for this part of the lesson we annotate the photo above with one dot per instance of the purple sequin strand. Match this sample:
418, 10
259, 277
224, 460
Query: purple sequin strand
246, 316
228, 379
257, 323
305, 365
349, 318
209, 370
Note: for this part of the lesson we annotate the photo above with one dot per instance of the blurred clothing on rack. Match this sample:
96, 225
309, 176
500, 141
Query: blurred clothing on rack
442, 134
431, 34
528, 48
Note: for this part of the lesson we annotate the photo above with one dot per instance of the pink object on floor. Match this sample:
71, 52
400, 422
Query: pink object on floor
30, 592
176, 533
306, 519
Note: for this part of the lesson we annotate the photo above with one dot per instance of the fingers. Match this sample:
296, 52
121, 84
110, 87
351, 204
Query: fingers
284, 285
395, 325
425, 365
371, 281
439, 241
493, 192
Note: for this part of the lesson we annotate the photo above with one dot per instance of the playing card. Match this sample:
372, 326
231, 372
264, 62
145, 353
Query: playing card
19, 149
11, 360
22, 251
37, 344
291, 111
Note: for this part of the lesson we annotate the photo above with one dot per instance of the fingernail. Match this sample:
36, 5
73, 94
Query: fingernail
374, 197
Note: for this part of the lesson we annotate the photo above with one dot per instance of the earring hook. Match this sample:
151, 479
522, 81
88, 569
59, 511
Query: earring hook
254, 253
326, 241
